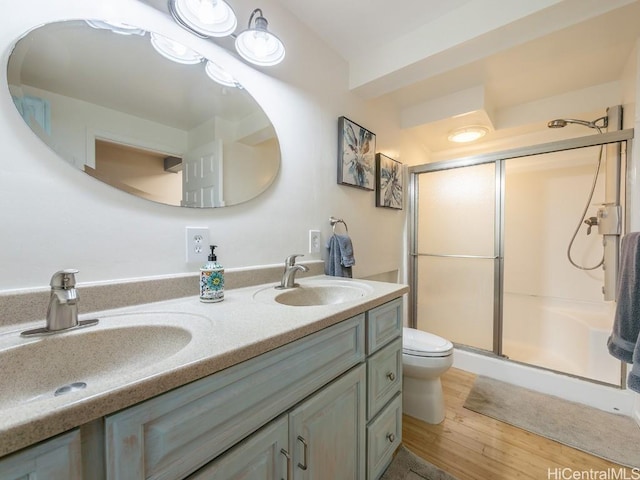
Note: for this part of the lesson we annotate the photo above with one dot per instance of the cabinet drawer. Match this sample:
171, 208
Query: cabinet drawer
55, 459
384, 436
172, 435
384, 376
384, 323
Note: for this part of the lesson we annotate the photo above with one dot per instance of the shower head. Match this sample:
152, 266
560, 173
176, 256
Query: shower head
598, 123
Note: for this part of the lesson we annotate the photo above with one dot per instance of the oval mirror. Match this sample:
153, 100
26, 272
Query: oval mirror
111, 105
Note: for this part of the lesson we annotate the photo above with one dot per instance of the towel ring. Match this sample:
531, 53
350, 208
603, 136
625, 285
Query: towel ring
334, 220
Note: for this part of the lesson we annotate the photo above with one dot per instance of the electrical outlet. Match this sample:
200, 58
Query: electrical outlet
197, 244
314, 241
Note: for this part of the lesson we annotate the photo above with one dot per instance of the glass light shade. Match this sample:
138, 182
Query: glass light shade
116, 27
219, 75
467, 134
259, 46
174, 51
211, 18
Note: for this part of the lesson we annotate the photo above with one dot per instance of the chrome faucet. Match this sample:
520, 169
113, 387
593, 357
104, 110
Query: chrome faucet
63, 301
290, 270
62, 313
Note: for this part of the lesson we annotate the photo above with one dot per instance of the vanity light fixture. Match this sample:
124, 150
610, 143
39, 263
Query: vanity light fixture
207, 18
467, 134
215, 18
257, 45
174, 51
219, 75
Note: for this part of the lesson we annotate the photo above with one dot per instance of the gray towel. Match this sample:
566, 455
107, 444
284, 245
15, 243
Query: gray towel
623, 342
340, 257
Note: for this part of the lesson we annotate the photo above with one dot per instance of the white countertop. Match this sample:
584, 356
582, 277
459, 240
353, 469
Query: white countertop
246, 324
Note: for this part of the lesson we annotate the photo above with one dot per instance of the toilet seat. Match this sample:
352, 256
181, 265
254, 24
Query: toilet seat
423, 344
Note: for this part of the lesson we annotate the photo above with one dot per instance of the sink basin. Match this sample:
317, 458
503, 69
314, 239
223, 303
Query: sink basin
119, 347
316, 294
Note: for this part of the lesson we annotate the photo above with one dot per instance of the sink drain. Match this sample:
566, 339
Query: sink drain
73, 387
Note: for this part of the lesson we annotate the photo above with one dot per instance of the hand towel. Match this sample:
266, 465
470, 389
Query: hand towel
340, 257
623, 342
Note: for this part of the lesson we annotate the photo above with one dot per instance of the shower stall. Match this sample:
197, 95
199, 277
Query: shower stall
514, 254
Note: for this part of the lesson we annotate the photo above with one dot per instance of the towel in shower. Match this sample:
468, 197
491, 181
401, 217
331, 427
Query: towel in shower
623, 342
340, 256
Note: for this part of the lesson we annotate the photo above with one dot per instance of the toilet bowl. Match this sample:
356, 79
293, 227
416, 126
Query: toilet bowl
425, 357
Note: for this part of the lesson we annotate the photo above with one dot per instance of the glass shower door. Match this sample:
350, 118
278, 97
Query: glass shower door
554, 315
455, 265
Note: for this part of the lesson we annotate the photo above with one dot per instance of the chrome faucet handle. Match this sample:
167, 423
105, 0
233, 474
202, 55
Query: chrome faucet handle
290, 261
64, 279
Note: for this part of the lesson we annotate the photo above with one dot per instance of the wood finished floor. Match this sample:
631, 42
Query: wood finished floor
475, 447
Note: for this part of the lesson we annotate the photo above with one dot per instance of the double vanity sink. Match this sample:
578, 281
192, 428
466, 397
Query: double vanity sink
54, 383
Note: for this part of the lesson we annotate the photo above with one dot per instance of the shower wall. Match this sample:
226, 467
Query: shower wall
545, 196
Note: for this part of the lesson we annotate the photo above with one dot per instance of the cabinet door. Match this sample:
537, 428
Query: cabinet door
55, 459
327, 431
262, 456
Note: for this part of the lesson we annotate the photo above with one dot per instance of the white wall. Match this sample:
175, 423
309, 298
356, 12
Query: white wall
54, 216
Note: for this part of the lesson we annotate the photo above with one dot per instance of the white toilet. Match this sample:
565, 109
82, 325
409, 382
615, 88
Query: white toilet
424, 358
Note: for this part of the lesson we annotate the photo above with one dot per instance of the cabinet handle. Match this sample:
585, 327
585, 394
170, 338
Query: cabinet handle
391, 437
305, 457
286, 454
391, 376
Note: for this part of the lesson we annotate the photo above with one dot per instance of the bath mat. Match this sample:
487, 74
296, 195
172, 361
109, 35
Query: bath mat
407, 466
613, 437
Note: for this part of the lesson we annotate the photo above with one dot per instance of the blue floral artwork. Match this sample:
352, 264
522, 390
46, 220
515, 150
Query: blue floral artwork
388, 182
356, 155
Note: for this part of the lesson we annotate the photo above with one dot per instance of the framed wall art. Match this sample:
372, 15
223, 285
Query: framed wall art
356, 155
389, 189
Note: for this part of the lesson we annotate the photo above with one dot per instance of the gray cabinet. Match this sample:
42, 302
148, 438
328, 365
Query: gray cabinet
384, 385
172, 435
55, 459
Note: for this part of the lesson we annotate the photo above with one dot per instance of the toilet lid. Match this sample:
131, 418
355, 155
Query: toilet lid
424, 344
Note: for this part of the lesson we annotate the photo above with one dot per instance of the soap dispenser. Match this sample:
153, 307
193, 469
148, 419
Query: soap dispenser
212, 279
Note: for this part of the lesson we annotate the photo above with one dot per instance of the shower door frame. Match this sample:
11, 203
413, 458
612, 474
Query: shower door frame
498, 159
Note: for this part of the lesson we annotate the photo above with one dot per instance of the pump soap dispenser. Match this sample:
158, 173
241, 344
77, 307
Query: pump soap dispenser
212, 279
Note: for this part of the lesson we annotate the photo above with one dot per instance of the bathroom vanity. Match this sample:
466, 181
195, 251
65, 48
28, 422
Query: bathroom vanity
274, 391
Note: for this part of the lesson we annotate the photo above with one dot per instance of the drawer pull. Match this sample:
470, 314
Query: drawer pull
305, 458
391, 437
391, 376
286, 454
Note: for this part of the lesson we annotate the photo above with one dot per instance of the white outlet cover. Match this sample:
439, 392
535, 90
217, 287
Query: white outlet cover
197, 244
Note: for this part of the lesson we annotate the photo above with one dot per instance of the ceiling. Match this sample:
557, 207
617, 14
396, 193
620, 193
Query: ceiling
508, 65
